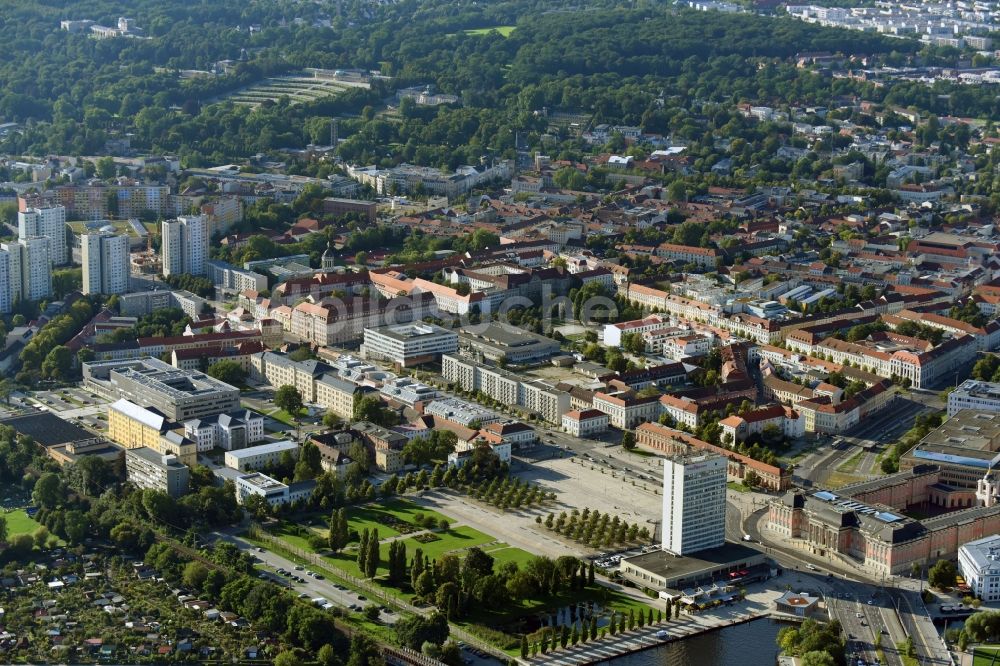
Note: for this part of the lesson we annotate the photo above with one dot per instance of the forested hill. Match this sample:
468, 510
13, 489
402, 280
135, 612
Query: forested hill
604, 59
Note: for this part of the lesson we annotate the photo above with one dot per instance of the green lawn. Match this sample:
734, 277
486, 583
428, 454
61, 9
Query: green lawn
456, 539
502, 553
986, 656
498, 619
850, 466
289, 533
738, 487
402, 509
504, 30
283, 416
18, 522
452, 540
376, 515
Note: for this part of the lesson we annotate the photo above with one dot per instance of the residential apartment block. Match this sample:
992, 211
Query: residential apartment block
47, 222
506, 387
25, 271
105, 259
184, 246
145, 468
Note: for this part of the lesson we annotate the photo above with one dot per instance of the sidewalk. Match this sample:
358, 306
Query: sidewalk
758, 604
635, 640
930, 646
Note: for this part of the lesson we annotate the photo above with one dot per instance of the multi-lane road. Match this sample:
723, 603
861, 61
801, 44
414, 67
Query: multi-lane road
868, 438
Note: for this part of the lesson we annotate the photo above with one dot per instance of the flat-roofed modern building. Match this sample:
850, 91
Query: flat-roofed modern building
273, 491
180, 395
975, 395
406, 345
147, 468
498, 342
462, 412
258, 457
693, 578
964, 447
979, 564
694, 503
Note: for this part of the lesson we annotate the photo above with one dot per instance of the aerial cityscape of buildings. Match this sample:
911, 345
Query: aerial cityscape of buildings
492, 372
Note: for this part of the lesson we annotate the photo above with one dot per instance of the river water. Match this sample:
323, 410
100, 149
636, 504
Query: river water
749, 644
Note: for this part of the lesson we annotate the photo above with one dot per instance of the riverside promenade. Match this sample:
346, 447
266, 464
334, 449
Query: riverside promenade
759, 603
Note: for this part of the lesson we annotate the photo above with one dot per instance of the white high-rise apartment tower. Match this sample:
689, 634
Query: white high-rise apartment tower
6, 300
105, 263
48, 222
184, 245
25, 272
694, 503
36, 272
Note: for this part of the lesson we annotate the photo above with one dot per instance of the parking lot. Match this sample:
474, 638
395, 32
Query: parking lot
328, 594
307, 584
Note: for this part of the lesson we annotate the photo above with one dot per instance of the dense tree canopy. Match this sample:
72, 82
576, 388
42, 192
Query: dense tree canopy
631, 65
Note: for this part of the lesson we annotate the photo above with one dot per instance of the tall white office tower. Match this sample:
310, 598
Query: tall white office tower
694, 503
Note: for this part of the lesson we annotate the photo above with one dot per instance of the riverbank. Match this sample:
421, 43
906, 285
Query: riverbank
758, 603
640, 640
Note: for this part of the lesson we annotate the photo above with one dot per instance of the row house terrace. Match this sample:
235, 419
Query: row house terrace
319, 286
987, 337
334, 321
892, 355
627, 411
671, 442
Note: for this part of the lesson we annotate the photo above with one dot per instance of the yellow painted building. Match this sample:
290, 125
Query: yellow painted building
133, 427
